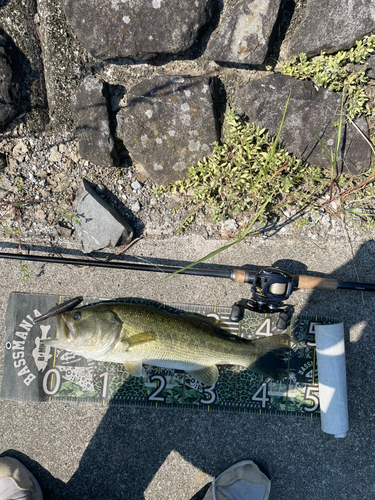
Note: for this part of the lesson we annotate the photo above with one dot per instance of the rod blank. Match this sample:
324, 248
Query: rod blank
237, 275
116, 265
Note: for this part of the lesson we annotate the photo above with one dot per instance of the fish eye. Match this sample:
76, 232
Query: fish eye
77, 315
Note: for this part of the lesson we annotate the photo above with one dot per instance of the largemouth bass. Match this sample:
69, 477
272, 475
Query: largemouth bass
136, 334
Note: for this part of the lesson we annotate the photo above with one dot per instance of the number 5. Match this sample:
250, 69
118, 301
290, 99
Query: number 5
311, 394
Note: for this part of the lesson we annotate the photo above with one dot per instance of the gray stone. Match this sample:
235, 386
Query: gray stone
244, 33
55, 155
135, 207
370, 72
309, 109
20, 150
20, 21
63, 231
332, 25
90, 113
9, 84
100, 226
65, 61
3, 162
136, 186
169, 124
138, 29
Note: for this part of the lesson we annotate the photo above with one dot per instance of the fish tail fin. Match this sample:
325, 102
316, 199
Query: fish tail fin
272, 356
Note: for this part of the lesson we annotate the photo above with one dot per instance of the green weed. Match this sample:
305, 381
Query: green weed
302, 222
333, 158
66, 215
247, 169
69, 217
335, 73
24, 270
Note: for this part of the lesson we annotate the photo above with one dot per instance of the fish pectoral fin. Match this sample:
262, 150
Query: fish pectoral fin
134, 368
208, 375
141, 338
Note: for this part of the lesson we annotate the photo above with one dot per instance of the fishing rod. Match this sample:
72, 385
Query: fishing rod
270, 286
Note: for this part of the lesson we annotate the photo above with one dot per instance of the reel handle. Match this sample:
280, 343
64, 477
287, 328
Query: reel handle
313, 282
299, 280
242, 276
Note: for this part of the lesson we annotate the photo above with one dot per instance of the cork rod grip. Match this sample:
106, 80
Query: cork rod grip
239, 276
316, 283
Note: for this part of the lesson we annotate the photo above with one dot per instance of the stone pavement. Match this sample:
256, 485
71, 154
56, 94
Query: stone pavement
90, 452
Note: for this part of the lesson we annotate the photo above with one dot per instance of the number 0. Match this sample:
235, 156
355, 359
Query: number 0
56, 387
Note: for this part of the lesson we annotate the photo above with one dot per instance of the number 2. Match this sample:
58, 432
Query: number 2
154, 396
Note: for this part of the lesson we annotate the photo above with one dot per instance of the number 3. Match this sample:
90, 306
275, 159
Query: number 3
210, 391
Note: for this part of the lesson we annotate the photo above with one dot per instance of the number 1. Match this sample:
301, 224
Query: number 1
104, 376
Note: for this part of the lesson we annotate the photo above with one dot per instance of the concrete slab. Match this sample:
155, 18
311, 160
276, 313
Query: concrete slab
88, 452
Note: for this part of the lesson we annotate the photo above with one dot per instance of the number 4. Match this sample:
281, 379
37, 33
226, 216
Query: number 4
262, 390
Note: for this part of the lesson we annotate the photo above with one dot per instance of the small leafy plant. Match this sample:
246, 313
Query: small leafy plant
70, 217
302, 222
335, 73
246, 170
24, 270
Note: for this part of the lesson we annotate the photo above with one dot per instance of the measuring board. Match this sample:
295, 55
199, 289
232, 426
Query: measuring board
34, 372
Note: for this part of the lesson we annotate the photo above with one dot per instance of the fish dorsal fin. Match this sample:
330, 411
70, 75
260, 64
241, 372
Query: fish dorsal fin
208, 375
141, 338
134, 368
211, 324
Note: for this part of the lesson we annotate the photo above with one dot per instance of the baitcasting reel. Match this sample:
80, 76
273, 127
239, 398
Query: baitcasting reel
270, 287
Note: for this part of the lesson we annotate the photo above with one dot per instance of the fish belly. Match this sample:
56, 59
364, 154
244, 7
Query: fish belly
173, 364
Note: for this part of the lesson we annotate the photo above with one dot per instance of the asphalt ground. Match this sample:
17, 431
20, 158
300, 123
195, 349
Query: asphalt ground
91, 452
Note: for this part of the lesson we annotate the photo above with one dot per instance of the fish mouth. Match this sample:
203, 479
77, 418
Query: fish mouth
65, 329
71, 331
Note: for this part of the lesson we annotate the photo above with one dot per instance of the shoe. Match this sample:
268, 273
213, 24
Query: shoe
17, 482
242, 481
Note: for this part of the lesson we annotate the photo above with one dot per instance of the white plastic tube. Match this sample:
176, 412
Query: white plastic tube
330, 350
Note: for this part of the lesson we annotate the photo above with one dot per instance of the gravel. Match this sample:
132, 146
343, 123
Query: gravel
42, 174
